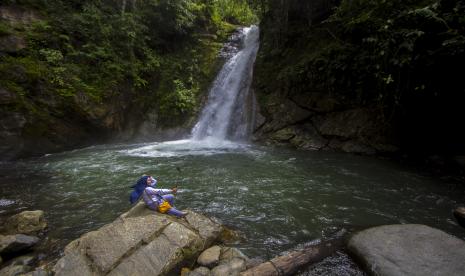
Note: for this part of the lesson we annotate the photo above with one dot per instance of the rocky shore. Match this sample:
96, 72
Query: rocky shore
20, 234
143, 242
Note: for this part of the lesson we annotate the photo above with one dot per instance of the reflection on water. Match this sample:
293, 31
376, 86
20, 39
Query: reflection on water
277, 198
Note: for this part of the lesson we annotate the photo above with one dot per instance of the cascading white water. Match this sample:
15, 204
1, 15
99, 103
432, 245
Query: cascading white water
228, 113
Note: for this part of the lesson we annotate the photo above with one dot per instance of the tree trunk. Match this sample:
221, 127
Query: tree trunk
292, 262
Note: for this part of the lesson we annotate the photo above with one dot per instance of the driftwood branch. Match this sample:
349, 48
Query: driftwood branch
292, 262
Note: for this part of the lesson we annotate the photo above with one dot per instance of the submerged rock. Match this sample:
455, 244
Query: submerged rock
27, 222
232, 267
229, 253
409, 249
12, 244
24, 260
139, 242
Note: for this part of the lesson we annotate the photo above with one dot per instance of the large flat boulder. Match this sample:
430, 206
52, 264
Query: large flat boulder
139, 242
409, 249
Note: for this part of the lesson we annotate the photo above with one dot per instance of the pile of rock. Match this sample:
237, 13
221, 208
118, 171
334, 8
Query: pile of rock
139, 242
220, 260
144, 242
18, 238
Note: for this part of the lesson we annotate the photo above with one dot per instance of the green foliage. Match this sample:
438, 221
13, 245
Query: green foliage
376, 50
5, 29
401, 57
51, 56
396, 40
180, 102
236, 11
154, 52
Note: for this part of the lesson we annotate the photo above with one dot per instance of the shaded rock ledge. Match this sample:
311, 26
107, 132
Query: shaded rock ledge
409, 249
12, 244
139, 242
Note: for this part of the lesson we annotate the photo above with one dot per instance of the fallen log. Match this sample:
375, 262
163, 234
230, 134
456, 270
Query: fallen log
290, 263
459, 214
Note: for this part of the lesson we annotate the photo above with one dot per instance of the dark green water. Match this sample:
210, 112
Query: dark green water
277, 198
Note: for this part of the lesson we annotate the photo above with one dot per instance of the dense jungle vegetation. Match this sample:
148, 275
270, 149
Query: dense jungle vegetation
401, 57
152, 54
110, 61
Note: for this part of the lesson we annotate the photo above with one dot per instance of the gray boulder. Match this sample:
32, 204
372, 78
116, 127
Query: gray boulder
307, 137
11, 244
37, 272
229, 253
27, 222
139, 242
200, 271
234, 267
409, 249
348, 123
357, 147
210, 257
360, 126
284, 113
28, 260
208, 229
15, 270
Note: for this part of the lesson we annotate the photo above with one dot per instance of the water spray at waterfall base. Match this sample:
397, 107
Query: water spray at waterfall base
229, 112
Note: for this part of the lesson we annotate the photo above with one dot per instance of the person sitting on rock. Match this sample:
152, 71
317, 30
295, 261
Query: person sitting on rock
139, 187
161, 200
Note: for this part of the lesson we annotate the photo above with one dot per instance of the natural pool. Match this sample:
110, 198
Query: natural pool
277, 198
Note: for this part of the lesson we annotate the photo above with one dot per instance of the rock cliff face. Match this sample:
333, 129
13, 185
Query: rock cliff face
12, 43
318, 122
139, 242
297, 106
29, 132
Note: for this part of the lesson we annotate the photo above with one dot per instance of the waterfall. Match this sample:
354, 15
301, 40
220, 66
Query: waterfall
229, 112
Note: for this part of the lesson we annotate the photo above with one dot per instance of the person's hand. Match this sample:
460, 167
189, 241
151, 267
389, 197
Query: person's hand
174, 190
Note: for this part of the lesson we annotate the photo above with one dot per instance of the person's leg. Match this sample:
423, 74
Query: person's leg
169, 198
175, 212
153, 206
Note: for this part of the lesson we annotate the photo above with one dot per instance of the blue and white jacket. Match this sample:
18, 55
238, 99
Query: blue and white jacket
153, 196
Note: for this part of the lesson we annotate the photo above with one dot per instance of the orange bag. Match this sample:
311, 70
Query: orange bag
164, 207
